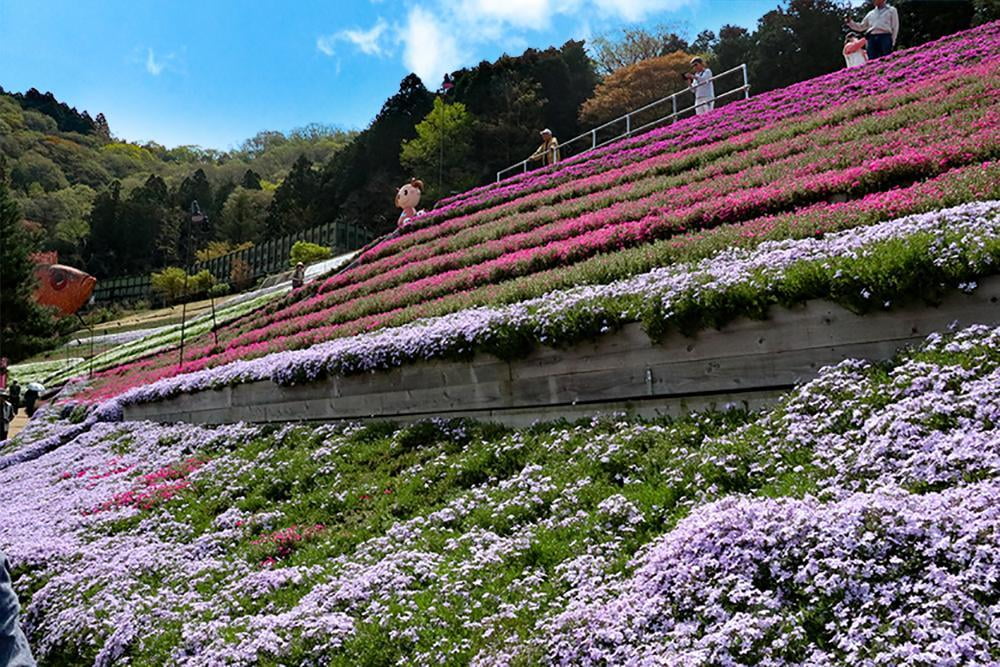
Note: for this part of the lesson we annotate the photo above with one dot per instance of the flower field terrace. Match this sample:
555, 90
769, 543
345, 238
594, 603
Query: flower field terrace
164, 338
677, 194
802, 99
904, 261
856, 522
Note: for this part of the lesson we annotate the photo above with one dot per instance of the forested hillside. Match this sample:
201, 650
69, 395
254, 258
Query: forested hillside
117, 208
120, 208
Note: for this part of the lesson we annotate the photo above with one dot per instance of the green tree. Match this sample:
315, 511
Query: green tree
34, 168
101, 128
359, 182
633, 44
921, 21
194, 188
142, 218
735, 46
799, 41
292, 207
251, 180
704, 43
634, 86
441, 150
104, 242
245, 214
67, 119
985, 11
25, 326
510, 132
122, 159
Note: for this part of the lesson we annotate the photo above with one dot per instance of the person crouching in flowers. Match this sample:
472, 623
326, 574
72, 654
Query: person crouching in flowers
854, 50
407, 199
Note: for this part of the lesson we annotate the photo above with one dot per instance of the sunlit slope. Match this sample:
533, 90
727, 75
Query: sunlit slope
914, 132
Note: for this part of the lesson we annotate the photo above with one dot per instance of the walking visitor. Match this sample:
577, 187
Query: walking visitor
854, 50
15, 395
548, 152
880, 27
30, 398
6, 414
703, 86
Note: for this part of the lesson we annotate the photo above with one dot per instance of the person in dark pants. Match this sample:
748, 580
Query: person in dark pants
30, 398
6, 414
14, 649
881, 28
15, 395
299, 276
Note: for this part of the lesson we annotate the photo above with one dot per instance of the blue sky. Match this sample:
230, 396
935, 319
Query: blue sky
214, 72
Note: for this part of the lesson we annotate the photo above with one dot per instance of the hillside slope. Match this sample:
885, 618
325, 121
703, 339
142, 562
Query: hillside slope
914, 132
856, 522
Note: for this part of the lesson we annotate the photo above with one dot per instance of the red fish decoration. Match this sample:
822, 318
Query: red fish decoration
63, 287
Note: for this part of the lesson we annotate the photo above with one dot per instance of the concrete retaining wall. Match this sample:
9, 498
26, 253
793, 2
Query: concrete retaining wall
748, 362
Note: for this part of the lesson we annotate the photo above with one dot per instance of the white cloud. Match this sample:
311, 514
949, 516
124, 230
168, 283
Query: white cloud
429, 48
152, 66
527, 14
636, 10
367, 41
371, 42
325, 44
437, 35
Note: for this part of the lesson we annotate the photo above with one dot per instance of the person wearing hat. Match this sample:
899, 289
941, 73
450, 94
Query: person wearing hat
854, 50
704, 89
299, 276
6, 414
548, 152
880, 27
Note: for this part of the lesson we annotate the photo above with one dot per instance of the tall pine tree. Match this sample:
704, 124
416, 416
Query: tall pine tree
25, 326
292, 208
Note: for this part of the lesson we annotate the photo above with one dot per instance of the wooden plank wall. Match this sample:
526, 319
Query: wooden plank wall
747, 363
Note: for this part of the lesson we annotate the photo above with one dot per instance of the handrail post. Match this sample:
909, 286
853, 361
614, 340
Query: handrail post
746, 81
673, 104
628, 124
593, 139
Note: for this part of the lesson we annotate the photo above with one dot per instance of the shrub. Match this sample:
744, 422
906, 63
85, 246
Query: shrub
169, 283
219, 248
306, 252
201, 282
240, 274
220, 289
173, 283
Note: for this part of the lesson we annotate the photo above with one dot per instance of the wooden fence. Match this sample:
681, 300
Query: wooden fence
253, 263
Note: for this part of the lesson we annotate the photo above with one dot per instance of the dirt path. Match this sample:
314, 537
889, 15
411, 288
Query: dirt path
20, 421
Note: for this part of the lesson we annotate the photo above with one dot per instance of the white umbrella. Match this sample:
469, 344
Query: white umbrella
36, 386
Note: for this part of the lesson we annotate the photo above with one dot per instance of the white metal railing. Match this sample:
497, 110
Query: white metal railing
590, 137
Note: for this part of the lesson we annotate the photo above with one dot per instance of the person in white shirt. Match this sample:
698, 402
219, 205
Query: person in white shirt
881, 28
854, 50
704, 88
